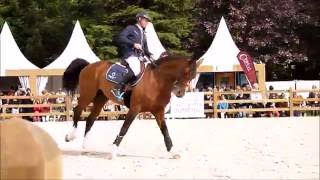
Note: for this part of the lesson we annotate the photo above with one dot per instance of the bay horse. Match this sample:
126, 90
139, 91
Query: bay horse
170, 74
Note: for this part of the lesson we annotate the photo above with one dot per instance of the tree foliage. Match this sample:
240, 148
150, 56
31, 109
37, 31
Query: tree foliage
274, 32
41, 28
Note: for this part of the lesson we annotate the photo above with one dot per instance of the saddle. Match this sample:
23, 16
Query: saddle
116, 72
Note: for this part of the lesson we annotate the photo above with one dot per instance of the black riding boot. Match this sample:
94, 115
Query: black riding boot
118, 90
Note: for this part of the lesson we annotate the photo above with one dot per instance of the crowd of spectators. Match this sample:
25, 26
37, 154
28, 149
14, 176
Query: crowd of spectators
42, 103
245, 92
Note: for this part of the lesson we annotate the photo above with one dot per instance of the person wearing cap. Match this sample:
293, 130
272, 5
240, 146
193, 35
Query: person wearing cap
132, 41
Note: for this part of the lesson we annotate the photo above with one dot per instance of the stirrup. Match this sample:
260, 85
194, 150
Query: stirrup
118, 94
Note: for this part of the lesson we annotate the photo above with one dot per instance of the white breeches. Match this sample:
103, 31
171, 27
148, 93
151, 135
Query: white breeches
134, 64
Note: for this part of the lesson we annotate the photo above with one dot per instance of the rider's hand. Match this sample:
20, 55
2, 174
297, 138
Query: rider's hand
137, 46
152, 57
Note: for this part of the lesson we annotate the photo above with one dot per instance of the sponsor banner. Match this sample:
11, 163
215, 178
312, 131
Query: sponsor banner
190, 105
246, 63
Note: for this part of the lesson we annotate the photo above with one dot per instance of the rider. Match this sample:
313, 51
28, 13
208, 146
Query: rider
132, 41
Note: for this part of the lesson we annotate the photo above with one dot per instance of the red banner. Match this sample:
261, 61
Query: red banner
246, 63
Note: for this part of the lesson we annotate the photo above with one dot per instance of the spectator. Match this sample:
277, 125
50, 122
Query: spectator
222, 104
246, 95
223, 88
208, 97
29, 101
25, 102
74, 101
60, 100
248, 87
313, 94
45, 108
241, 96
274, 113
1, 101
15, 110
231, 105
109, 107
28, 92
297, 102
37, 110
256, 96
282, 105
5, 102
18, 91
238, 89
15, 101
46, 94
272, 95
11, 91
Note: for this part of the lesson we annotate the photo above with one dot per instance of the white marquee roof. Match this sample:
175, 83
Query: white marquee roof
11, 58
77, 47
154, 44
222, 53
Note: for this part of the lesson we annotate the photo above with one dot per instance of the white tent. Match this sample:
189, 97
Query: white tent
11, 58
154, 44
77, 47
222, 53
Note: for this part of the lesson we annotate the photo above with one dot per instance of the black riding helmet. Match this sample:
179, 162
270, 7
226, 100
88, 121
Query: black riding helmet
144, 15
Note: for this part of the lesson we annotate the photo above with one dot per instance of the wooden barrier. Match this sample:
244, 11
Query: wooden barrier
68, 113
67, 105
291, 101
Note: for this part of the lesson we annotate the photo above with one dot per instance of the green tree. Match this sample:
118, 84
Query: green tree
41, 28
172, 22
269, 30
282, 34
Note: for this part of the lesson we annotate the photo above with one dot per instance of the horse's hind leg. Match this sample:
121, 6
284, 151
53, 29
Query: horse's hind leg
98, 103
131, 115
83, 102
124, 129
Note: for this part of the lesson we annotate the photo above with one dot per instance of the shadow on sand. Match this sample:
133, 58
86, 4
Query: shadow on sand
104, 154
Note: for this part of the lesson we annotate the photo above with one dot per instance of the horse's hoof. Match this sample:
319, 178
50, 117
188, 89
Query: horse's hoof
176, 156
67, 138
109, 156
84, 147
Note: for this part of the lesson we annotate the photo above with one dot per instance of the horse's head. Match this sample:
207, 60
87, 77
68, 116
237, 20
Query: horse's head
187, 73
179, 70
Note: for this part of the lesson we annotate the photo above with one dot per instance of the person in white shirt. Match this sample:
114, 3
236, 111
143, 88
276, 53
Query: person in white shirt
256, 96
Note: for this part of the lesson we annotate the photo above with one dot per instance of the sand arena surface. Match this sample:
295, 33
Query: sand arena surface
215, 148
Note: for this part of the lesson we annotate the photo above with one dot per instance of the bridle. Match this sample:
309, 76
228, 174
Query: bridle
179, 82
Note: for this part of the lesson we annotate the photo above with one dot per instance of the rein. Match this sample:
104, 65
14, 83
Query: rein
144, 58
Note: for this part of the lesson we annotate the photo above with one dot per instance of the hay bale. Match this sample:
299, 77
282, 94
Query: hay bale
28, 152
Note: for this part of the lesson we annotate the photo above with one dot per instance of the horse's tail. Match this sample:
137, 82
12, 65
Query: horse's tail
71, 74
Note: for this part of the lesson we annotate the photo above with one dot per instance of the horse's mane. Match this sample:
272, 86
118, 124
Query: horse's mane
171, 58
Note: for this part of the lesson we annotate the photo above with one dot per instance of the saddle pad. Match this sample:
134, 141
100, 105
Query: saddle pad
116, 72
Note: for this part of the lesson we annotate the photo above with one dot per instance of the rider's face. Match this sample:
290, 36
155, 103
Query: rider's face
143, 22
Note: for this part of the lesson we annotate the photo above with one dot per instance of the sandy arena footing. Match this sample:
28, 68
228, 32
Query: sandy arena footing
268, 148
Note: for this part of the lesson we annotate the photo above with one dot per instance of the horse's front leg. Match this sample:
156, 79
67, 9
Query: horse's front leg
159, 115
124, 129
